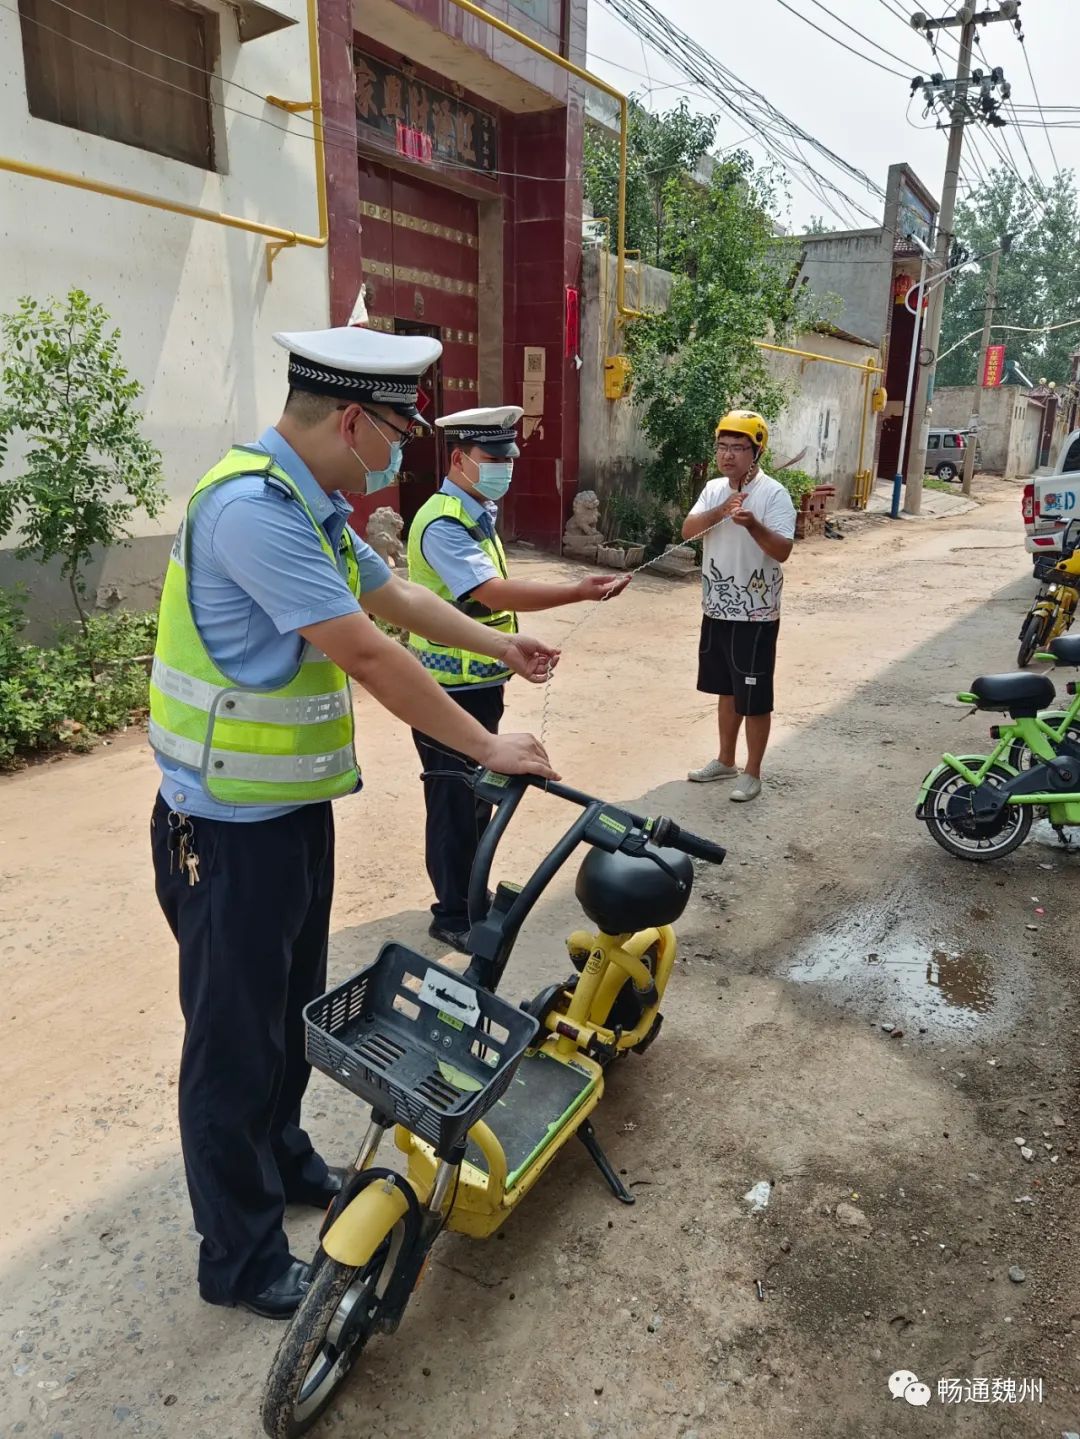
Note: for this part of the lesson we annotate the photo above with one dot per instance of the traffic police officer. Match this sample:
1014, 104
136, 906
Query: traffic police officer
455, 552
262, 623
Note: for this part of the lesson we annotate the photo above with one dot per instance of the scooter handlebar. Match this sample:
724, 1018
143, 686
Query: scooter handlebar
667, 832
661, 831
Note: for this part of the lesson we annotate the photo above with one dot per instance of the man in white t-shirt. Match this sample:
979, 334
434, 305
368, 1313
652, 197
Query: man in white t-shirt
747, 522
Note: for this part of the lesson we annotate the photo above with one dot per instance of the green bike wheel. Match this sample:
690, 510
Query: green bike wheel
947, 811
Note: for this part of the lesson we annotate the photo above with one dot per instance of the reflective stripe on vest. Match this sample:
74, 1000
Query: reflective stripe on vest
292, 744
452, 667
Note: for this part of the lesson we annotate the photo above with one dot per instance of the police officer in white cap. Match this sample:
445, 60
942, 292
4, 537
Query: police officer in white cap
262, 624
455, 552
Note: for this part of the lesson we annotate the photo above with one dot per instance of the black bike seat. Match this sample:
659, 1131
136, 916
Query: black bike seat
1022, 694
1066, 649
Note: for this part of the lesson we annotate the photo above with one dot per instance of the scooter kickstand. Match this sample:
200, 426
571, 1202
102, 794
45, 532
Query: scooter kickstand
587, 1135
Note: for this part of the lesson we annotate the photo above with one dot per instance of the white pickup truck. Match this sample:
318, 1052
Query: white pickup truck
1049, 504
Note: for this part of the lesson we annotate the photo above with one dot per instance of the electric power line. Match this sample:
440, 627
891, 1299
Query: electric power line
1038, 102
1004, 156
842, 43
776, 131
1004, 136
864, 38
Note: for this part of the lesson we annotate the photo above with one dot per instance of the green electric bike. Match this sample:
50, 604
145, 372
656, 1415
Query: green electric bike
980, 807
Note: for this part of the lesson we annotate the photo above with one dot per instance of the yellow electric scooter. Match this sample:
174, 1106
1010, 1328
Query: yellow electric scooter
483, 1094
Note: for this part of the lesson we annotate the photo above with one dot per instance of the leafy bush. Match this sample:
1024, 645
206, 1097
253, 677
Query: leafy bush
84, 469
734, 282
90, 682
797, 483
643, 521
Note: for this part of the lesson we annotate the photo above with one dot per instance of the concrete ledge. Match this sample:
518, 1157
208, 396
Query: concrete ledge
935, 504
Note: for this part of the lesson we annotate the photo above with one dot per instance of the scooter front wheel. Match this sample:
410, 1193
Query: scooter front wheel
1030, 639
338, 1315
949, 818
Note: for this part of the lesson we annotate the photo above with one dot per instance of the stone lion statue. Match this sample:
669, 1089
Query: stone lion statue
583, 536
383, 534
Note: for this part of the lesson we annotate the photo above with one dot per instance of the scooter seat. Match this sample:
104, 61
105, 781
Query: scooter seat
1066, 649
1022, 694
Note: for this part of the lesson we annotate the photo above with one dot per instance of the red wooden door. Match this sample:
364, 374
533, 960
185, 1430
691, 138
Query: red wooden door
420, 248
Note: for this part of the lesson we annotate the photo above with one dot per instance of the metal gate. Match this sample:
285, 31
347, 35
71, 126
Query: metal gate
420, 248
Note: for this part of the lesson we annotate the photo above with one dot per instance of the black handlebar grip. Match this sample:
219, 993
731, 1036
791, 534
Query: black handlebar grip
667, 832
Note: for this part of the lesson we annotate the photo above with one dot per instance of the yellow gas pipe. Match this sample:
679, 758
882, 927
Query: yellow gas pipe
278, 238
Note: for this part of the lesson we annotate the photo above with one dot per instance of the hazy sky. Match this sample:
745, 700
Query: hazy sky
860, 112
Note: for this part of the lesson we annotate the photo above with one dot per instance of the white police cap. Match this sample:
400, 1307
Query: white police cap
493, 430
359, 365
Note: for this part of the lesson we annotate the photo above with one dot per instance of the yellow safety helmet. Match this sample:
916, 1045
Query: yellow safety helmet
748, 423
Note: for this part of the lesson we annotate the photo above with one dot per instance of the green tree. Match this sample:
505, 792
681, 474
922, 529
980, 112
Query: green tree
659, 148
1038, 280
83, 468
735, 282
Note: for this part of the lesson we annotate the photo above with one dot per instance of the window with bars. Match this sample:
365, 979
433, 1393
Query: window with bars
136, 71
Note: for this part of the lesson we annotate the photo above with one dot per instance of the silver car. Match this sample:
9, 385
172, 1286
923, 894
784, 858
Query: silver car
945, 453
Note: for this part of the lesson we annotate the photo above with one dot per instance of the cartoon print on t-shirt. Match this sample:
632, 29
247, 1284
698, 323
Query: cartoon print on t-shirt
722, 596
776, 587
756, 591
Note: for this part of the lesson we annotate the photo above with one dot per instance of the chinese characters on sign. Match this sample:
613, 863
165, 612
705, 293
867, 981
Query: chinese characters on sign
993, 366
990, 1391
423, 123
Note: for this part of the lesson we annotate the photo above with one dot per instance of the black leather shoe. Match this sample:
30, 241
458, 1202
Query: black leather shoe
281, 1299
320, 1197
452, 938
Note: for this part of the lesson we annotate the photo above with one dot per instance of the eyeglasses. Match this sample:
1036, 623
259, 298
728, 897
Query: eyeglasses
724, 449
403, 435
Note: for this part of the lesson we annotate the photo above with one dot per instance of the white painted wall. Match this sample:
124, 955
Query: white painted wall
1009, 425
826, 412
190, 298
824, 415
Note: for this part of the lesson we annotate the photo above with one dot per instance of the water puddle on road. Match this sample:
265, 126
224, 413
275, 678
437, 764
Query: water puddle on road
879, 966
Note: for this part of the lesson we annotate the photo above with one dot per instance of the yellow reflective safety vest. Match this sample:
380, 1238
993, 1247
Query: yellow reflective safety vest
451, 667
288, 745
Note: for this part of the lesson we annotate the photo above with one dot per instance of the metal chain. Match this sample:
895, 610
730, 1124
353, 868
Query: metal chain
591, 610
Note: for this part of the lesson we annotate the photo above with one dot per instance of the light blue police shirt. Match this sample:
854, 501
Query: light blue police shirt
258, 575
456, 557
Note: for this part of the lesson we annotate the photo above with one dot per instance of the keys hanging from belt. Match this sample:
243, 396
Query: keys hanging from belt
182, 851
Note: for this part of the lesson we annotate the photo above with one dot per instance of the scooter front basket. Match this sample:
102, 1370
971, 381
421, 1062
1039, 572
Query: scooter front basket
419, 1043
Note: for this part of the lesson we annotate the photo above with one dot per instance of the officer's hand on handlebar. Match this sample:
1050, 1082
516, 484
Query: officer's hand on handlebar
518, 754
531, 659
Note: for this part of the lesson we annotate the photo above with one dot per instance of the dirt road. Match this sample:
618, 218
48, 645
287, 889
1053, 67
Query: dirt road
834, 917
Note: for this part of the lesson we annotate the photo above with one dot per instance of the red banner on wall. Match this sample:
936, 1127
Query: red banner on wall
993, 366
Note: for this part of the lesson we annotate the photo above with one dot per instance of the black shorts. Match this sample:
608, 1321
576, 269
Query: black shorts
738, 658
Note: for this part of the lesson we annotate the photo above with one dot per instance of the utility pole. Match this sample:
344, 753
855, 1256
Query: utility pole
960, 111
984, 345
